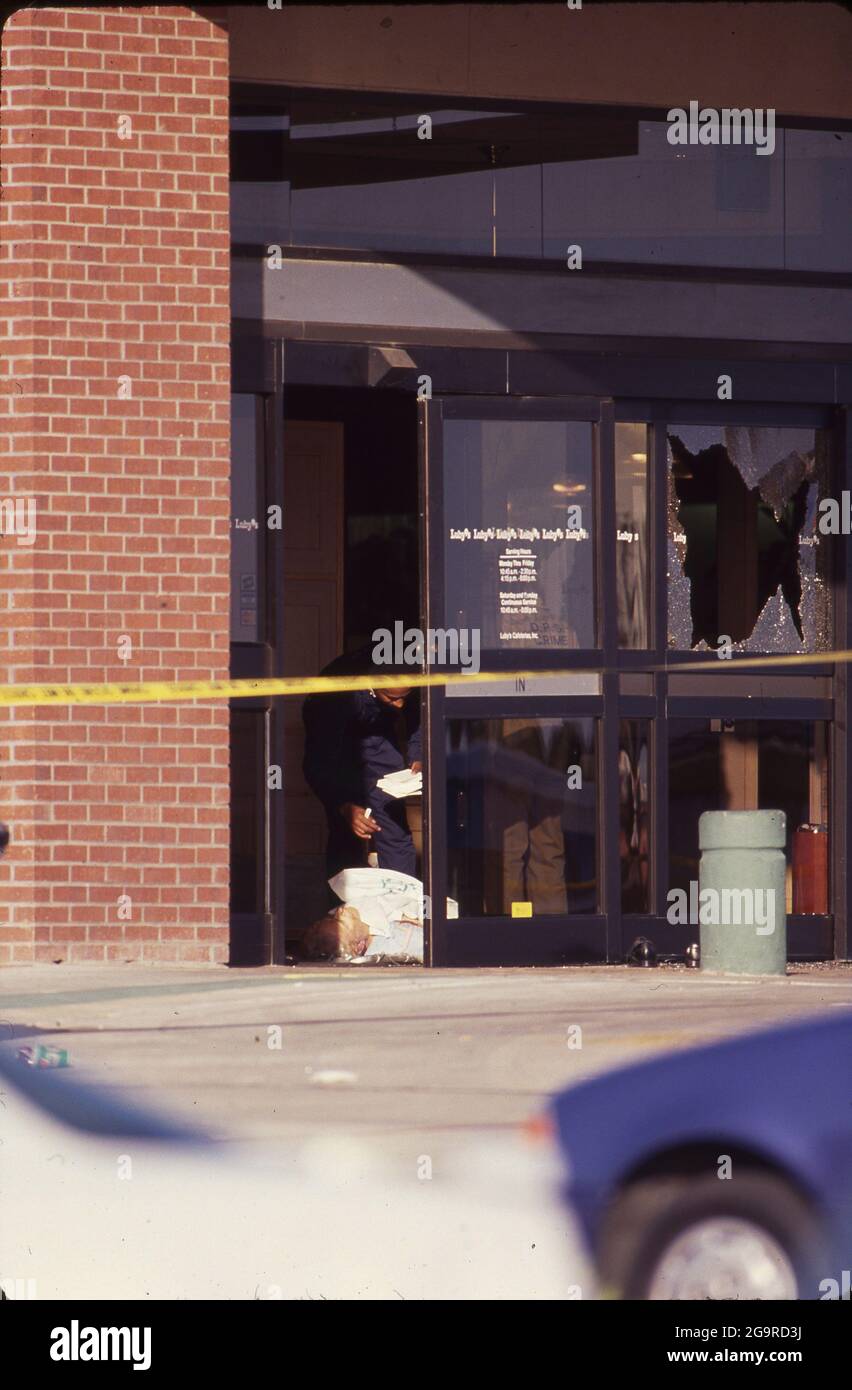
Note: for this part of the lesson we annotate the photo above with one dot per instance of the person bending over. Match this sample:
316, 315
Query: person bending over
351, 740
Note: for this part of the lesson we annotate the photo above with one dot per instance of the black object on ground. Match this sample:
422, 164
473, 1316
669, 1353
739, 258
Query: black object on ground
642, 952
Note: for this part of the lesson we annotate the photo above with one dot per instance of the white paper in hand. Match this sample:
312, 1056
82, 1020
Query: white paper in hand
402, 783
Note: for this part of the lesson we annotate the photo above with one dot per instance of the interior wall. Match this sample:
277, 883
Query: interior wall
793, 57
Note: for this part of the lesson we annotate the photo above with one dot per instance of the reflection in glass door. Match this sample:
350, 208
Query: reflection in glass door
634, 814
518, 527
518, 813
522, 816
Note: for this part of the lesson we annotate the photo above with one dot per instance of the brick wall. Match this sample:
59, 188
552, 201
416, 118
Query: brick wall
115, 419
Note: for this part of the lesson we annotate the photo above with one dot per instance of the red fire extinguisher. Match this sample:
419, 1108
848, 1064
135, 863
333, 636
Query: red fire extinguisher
810, 869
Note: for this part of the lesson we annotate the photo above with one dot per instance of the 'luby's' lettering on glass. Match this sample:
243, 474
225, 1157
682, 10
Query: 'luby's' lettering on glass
519, 526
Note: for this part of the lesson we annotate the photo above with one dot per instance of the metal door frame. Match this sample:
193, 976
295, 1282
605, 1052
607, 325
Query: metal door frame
504, 940
608, 934
259, 939
259, 365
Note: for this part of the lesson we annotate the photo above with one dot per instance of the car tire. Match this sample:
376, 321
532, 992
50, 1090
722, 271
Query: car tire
648, 1217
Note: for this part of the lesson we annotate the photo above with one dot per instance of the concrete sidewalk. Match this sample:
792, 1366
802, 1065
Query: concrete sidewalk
400, 1057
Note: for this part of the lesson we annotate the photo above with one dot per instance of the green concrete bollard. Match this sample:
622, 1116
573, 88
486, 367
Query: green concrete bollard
742, 892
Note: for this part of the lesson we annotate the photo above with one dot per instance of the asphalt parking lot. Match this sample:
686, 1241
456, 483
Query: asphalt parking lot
403, 1059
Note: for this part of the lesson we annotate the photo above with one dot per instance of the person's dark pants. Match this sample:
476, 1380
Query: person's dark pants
393, 844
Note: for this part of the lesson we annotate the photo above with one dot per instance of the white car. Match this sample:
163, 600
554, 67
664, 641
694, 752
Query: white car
102, 1200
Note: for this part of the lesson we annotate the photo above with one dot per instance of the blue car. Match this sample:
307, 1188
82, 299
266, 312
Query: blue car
723, 1172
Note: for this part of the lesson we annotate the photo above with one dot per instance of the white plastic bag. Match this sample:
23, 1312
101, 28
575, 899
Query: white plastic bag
401, 943
381, 896
391, 904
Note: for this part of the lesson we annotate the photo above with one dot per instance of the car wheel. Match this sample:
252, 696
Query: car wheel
686, 1238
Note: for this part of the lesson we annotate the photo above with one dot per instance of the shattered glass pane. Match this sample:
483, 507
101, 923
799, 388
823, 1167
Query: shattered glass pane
745, 558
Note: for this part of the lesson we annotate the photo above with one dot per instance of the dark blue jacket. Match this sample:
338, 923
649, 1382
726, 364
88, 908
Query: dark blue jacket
352, 739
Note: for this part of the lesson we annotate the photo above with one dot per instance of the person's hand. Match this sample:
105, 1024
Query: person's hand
358, 821
416, 767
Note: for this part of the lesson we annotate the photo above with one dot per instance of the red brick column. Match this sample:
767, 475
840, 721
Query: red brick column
115, 422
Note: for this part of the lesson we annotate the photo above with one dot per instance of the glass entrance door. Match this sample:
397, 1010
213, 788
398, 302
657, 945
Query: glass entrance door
523, 801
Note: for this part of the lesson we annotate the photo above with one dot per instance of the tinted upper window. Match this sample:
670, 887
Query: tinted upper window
397, 175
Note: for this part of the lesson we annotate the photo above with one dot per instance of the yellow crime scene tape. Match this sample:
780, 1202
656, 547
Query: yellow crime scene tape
146, 692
